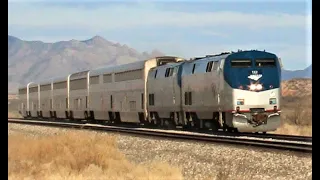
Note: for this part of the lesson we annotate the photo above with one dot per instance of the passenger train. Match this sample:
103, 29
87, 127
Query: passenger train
234, 91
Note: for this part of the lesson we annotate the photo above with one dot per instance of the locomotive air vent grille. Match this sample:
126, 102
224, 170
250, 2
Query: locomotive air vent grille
256, 110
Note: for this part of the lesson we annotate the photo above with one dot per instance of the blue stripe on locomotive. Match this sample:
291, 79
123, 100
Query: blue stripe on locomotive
236, 77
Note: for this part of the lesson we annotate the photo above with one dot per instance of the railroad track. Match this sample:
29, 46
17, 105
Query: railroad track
288, 144
219, 133
272, 136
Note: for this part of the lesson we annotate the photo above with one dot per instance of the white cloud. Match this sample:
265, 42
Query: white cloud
95, 20
113, 17
214, 33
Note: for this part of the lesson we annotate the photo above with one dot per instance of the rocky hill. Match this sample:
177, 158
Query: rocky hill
304, 73
300, 87
36, 60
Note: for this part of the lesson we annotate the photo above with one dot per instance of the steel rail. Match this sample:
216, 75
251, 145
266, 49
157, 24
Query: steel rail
218, 133
259, 142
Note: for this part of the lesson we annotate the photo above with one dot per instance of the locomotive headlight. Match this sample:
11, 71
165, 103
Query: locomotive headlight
252, 87
258, 87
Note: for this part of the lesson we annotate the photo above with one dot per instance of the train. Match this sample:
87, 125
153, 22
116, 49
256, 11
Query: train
231, 91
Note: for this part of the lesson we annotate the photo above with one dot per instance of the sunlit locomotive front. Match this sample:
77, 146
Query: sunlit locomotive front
252, 91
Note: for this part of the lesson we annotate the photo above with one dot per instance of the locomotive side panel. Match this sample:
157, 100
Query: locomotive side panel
201, 89
163, 91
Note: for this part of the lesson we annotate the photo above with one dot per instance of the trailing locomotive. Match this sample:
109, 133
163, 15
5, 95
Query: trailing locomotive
237, 91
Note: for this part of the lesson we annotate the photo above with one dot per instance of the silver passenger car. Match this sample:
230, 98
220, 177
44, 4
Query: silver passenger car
118, 94
60, 91
78, 95
45, 99
23, 101
33, 99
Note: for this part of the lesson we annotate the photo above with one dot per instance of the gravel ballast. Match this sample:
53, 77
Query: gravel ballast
202, 160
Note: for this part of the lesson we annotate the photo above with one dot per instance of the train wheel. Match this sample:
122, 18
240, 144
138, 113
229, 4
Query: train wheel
86, 115
215, 127
153, 123
168, 124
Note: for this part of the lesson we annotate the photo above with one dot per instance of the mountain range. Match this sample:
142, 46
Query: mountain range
36, 60
304, 73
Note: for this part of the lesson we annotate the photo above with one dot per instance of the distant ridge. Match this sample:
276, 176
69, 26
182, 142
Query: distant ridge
36, 60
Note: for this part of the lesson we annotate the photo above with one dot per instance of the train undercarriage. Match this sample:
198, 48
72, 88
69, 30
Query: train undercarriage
223, 121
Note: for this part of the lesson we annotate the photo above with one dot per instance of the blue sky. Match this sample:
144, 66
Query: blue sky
183, 28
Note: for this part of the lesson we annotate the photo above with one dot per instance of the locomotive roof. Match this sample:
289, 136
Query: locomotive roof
209, 58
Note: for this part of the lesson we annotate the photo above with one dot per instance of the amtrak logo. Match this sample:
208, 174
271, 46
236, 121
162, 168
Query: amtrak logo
255, 76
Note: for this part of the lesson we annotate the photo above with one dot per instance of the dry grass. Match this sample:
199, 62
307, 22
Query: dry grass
296, 116
77, 155
14, 114
296, 107
299, 87
294, 130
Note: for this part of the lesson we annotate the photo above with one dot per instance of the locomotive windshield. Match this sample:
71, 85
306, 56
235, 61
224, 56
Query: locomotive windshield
245, 63
241, 69
265, 62
241, 63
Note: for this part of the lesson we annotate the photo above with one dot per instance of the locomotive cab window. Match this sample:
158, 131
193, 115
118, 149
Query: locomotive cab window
209, 66
155, 74
265, 63
193, 68
169, 72
215, 65
241, 63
